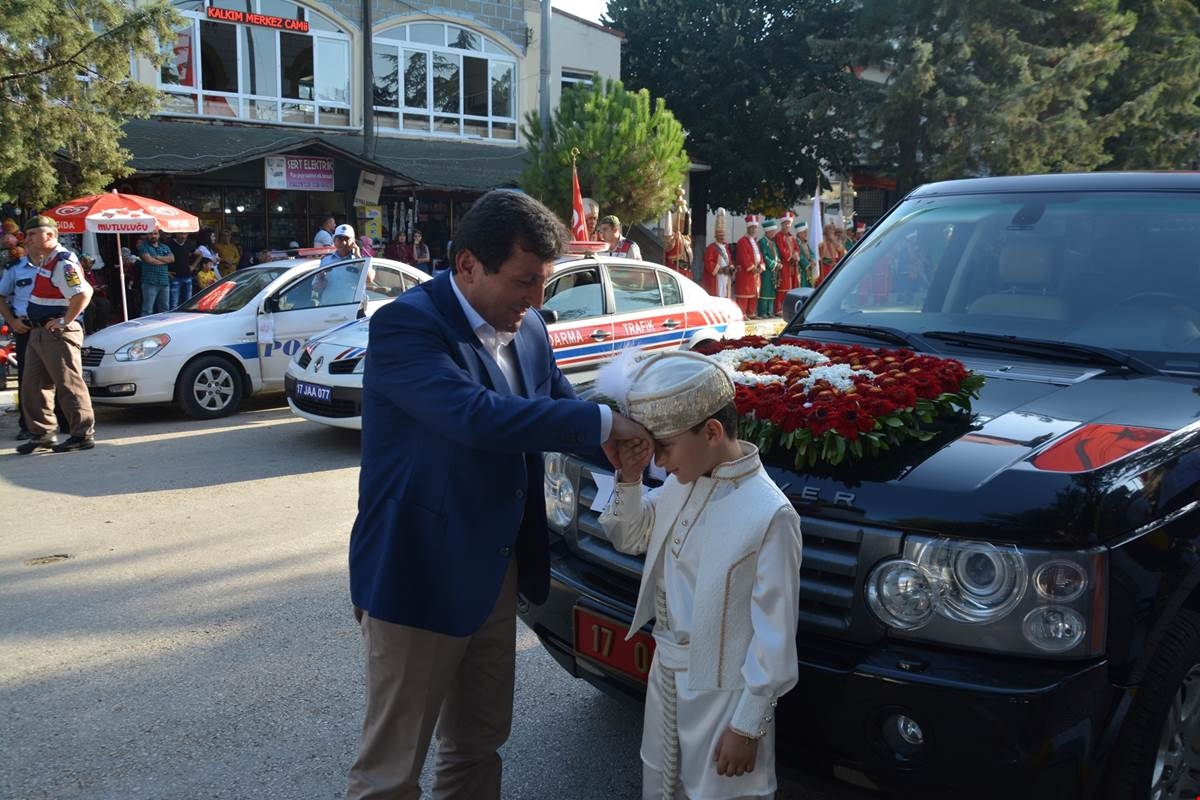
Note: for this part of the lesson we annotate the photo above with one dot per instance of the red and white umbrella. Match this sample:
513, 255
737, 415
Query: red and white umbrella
121, 214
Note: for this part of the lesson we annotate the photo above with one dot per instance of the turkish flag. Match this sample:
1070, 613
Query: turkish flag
578, 226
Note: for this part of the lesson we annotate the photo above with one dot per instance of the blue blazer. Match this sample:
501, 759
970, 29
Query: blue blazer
451, 482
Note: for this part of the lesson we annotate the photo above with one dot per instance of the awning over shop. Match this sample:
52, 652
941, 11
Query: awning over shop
175, 147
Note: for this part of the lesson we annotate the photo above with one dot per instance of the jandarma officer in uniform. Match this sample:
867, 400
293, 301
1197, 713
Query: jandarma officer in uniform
54, 355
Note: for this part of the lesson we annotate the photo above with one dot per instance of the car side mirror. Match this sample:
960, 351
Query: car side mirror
271, 304
795, 300
549, 316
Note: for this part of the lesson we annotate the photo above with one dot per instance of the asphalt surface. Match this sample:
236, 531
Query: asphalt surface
196, 641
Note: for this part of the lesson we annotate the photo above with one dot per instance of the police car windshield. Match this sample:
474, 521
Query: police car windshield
233, 292
1113, 270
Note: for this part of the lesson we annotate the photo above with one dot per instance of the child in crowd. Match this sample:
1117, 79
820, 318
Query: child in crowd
207, 276
721, 579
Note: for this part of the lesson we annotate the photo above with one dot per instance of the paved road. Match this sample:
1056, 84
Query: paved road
197, 640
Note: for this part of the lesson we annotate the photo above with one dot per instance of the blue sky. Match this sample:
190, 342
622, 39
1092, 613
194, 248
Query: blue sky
588, 9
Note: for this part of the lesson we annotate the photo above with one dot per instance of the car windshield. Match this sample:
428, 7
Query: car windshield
231, 293
1116, 270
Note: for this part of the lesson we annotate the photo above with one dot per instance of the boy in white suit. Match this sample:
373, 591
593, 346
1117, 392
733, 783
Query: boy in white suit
721, 580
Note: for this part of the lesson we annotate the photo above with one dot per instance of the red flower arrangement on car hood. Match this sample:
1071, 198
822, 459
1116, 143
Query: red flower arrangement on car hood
832, 403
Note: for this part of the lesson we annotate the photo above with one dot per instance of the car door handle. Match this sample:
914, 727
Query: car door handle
671, 323
600, 335
336, 319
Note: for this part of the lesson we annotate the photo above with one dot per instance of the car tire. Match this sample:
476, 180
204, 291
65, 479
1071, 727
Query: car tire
1154, 757
209, 387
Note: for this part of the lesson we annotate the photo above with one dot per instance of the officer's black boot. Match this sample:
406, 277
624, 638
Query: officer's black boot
36, 443
75, 443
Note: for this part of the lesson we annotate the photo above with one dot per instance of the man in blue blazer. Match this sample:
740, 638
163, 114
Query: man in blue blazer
460, 397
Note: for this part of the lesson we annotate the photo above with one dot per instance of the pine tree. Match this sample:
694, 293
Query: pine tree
65, 89
1157, 90
631, 152
981, 87
733, 73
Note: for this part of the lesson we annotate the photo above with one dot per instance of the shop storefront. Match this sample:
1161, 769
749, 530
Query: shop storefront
271, 187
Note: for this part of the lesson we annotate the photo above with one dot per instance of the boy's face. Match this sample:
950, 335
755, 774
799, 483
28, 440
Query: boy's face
690, 455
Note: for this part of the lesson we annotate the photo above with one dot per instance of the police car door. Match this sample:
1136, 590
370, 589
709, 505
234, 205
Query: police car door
582, 336
641, 318
315, 302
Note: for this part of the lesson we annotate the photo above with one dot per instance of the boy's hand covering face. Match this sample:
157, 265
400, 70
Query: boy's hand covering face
630, 456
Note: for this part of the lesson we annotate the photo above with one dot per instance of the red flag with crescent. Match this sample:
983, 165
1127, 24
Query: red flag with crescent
578, 226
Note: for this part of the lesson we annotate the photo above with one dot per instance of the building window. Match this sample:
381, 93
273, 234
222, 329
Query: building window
444, 79
572, 78
264, 74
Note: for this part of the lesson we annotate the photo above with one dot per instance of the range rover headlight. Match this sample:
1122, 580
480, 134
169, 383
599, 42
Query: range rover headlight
142, 349
1054, 629
1001, 598
559, 491
902, 594
983, 582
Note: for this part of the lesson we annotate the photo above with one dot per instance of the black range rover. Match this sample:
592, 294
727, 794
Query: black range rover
1014, 605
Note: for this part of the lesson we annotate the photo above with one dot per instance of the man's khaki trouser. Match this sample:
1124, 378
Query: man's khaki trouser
54, 368
464, 685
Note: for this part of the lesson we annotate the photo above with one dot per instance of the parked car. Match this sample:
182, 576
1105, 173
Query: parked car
594, 306
1057, 655
236, 337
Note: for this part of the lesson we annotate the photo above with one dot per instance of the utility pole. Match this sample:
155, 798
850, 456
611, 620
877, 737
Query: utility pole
544, 83
368, 74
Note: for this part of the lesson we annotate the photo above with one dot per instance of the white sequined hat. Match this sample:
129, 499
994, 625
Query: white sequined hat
671, 392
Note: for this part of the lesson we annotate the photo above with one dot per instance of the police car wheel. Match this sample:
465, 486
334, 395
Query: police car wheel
1157, 754
209, 387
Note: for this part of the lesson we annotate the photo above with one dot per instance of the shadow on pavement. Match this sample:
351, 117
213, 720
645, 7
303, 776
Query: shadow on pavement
158, 449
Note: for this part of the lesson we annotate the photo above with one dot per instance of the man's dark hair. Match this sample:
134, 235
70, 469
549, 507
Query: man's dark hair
727, 416
500, 222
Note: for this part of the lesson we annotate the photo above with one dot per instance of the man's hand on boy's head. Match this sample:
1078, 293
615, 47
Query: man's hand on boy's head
735, 754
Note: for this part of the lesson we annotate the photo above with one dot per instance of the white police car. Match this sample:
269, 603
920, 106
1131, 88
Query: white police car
595, 306
236, 337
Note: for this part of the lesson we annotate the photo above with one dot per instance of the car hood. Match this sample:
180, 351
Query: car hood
348, 334
122, 333
980, 479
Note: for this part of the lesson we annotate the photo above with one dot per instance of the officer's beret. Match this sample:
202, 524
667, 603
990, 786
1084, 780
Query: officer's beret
41, 221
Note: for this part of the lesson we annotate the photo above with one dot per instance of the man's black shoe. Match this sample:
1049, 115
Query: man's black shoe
38, 443
75, 443
24, 434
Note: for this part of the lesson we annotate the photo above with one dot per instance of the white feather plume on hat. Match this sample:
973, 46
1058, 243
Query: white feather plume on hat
616, 376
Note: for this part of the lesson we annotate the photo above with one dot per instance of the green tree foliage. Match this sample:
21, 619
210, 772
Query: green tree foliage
1156, 91
732, 72
631, 152
65, 89
978, 87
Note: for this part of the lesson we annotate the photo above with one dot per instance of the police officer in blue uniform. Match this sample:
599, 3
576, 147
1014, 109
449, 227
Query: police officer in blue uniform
16, 287
53, 357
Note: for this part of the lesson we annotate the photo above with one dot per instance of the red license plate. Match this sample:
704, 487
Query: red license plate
602, 639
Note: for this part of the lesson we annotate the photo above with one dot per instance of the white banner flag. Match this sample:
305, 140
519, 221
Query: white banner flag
815, 233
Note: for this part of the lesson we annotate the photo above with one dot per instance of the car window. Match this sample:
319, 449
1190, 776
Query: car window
334, 285
634, 289
385, 282
1114, 270
575, 295
671, 294
232, 293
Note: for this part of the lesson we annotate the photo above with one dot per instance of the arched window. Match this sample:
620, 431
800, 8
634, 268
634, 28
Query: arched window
258, 60
437, 78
